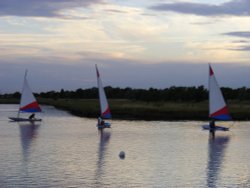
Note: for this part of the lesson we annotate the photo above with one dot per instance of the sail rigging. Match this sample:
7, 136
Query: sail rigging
105, 111
217, 106
28, 101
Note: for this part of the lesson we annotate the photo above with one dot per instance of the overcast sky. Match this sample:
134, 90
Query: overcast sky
139, 44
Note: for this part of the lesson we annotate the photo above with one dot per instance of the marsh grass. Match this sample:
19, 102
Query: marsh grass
128, 109
139, 110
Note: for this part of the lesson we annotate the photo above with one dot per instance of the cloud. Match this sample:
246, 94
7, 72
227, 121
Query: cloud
240, 41
245, 48
116, 11
242, 48
233, 8
242, 34
41, 8
244, 43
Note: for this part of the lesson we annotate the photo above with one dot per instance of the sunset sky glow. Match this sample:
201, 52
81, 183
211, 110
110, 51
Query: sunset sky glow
139, 44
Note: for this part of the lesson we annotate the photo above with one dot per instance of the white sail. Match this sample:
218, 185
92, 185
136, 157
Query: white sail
217, 106
105, 111
28, 102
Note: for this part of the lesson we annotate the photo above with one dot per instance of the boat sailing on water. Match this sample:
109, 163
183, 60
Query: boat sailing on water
105, 111
28, 104
217, 107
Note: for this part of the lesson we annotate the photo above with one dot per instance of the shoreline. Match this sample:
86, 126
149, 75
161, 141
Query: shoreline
122, 109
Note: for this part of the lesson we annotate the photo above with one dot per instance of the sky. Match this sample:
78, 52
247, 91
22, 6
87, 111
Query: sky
138, 44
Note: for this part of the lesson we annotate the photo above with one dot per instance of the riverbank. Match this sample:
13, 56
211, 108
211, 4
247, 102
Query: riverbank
138, 110
133, 110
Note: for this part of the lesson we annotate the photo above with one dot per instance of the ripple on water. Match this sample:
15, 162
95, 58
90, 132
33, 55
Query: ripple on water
67, 151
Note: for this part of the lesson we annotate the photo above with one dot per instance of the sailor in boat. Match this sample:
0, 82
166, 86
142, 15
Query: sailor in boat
101, 121
212, 128
32, 116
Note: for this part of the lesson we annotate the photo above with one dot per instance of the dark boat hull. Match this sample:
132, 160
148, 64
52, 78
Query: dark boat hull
105, 125
16, 119
217, 128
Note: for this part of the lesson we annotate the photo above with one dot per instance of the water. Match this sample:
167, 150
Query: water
68, 151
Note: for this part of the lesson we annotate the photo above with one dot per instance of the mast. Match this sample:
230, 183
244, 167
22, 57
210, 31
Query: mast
209, 88
105, 111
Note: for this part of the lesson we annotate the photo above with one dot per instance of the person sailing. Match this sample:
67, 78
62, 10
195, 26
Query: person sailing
32, 116
212, 127
100, 121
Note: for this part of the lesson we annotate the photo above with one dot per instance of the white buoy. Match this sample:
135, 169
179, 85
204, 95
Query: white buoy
122, 155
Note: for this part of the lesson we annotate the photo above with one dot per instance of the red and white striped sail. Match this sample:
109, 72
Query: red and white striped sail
105, 111
217, 106
28, 102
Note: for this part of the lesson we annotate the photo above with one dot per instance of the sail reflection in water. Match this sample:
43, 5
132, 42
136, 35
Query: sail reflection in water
216, 152
28, 133
104, 140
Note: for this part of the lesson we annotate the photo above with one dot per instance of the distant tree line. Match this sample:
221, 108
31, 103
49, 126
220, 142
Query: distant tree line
177, 94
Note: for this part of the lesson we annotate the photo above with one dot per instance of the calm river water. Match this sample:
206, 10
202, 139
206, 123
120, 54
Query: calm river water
68, 151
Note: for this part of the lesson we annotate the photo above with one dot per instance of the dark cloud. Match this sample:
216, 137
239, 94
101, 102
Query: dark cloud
203, 23
41, 8
115, 11
240, 41
234, 7
245, 48
242, 34
242, 48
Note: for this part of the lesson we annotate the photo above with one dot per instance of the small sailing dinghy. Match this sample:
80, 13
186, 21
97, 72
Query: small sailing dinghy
105, 111
217, 106
28, 104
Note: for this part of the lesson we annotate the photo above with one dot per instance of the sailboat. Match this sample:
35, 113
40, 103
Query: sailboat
28, 103
217, 106
105, 111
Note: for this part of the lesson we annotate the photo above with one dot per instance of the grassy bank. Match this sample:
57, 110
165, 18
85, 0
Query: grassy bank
127, 109
9, 101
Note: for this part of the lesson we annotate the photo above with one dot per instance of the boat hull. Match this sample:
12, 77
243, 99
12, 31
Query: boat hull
16, 119
217, 128
105, 125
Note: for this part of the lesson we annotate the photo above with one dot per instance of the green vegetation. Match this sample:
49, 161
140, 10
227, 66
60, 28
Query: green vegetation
9, 101
128, 109
174, 103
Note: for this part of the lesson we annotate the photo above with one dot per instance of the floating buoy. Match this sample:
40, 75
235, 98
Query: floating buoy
122, 155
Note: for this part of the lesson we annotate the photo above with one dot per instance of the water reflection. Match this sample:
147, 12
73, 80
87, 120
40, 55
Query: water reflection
28, 133
104, 140
216, 152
